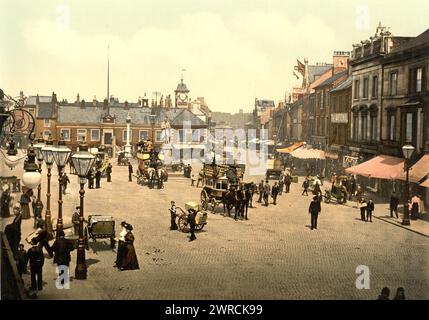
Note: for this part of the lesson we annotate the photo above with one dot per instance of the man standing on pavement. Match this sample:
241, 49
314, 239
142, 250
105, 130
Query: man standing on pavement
275, 192
62, 248
97, 179
266, 191
109, 172
76, 221
37, 260
260, 190
369, 210
288, 181
362, 206
305, 186
314, 211
191, 221
173, 224
65, 181
130, 172
90, 178
394, 202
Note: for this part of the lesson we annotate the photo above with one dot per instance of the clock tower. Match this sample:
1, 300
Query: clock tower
181, 95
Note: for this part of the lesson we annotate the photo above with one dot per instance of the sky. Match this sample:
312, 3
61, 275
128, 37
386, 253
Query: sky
233, 51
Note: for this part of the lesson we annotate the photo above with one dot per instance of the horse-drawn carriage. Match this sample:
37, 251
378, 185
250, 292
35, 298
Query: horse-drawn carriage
200, 217
274, 169
150, 169
223, 184
122, 158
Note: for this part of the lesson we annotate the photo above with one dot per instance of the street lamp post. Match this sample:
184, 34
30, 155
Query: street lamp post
61, 156
83, 162
39, 155
152, 123
48, 156
407, 150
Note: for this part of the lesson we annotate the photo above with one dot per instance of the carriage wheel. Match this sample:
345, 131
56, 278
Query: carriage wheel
199, 227
204, 200
183, 225
213, 204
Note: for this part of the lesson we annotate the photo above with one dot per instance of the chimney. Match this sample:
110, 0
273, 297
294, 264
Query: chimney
340, 61
94, 101
77, 99
54, 98
37, 99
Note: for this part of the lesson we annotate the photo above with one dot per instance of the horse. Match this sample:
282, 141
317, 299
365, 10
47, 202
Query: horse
151, 176
162, 176
229, 200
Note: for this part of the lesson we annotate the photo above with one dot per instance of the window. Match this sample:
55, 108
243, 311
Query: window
393, 83
46, 123
373, 127
355, 126
125, 134
181, 135
81, 134
365, 87
392, 124
95, 134
46, 134
322, 100
357, 89
374, 91
158, 137
65, 133
364, 126
419, 76
408, 127
143, 135
196, 135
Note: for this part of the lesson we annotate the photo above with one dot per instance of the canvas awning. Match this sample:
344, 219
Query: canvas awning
308, 153
291, 148
419, 170
425, 183
380, 167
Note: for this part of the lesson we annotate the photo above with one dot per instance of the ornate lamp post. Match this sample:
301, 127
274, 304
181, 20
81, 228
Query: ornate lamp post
11, 159
152, 123
48, 156
83, 162
39, 155
31, 177
61, 156
407, 150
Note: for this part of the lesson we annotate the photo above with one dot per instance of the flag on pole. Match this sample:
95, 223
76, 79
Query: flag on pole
301, 67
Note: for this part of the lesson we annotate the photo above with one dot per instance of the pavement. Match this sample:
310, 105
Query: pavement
273, 255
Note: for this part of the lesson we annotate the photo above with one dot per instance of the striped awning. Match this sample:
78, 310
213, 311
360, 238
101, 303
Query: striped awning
304, 153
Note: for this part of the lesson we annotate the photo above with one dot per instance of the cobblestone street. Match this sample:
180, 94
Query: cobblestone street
273, 255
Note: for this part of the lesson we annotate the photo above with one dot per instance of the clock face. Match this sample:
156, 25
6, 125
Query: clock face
182, 96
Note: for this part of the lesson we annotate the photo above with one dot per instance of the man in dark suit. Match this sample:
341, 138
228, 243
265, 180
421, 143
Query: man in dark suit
394, 202
191, 221
369, 210
275, 192
97, 179
109, 173
314, 211
130, 172
36, 258
288, 181
90, 178
62, 248
260, 190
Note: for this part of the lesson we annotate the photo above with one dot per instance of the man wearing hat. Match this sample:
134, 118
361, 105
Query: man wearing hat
191, 221
36, 258
314, 210
173, 224
62, 248
76, 221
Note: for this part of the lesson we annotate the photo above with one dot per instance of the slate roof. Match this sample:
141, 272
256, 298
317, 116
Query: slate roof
344, 85
182, 87
45, 111
139, 116
422, 39
31, 101
316, 70
332, 79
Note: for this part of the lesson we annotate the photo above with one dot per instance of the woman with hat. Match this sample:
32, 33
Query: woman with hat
129, 261
121, 246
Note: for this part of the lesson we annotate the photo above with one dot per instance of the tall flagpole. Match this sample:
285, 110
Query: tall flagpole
108, 70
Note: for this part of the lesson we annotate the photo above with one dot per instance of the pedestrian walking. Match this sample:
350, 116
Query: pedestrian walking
76, 221
22, 260
191, 220
266, 191
5, 201
314, 211
305, 186
200, 178
97, 179
64, 182
62, 248
130, 172
261, 190
384, 295
42, 237
400, 294
369, 210
24, 202
275, 192
192, 180
362, 206
173, 224
109, 172
130, 261
90, 178
393, 204
288, 181
415, 207
353, 187
121, 246
37, 260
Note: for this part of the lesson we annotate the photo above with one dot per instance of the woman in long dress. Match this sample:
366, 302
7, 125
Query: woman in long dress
130, 258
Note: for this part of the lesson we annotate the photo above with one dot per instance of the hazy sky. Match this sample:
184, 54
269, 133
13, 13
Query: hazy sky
232, 50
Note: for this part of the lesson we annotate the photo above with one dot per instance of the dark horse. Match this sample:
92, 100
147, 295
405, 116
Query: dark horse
229, 201
237, 199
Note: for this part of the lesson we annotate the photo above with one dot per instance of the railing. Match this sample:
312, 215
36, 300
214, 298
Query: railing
12, 286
